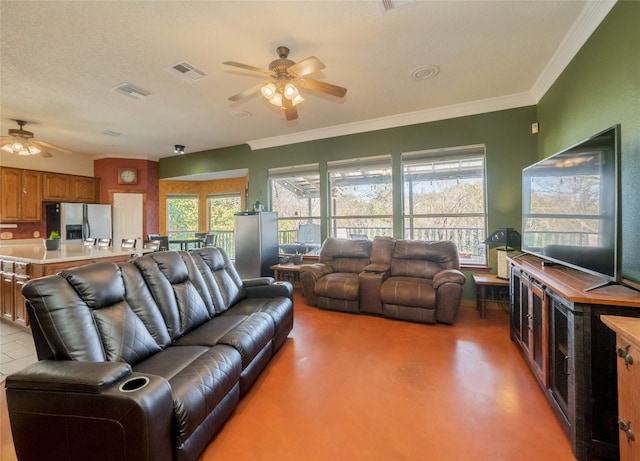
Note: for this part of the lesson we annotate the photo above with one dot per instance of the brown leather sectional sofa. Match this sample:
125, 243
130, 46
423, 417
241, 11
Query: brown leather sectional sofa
144, 360
411, 280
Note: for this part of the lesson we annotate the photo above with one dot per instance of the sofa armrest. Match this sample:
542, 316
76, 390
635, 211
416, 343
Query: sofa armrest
377, 268
72, 376
309, 275
317, 270
272, 290
370, 285
448, 276
448, 285
257, 281
78, 410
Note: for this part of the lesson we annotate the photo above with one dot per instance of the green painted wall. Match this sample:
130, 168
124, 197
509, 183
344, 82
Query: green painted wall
506, 134
601, 88
510, 147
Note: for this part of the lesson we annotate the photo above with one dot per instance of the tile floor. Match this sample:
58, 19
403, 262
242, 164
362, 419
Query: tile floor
16, 349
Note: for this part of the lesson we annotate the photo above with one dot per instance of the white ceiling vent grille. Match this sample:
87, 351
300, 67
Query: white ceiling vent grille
132, 91
186, 70
388, 5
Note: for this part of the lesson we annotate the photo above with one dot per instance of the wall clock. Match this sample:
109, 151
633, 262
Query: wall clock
127, 176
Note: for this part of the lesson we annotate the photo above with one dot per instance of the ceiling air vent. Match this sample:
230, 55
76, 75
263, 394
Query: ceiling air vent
186, 70
132, 91
388, 5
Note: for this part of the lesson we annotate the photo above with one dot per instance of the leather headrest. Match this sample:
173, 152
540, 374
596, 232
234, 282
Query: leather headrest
99, 284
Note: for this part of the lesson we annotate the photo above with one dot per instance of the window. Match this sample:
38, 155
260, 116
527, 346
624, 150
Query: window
361, 202
220, 211
444, 199
295, 196
182, 216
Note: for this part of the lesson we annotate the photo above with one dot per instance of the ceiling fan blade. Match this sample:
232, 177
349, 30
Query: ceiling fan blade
290, 112
45, 146
247, 92
247, 67
45, 153
316, 85
305, 67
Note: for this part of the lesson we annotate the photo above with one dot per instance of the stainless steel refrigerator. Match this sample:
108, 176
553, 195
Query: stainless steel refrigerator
78, 221
256, 243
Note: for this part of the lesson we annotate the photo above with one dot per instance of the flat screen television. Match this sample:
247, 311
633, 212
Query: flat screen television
570, 206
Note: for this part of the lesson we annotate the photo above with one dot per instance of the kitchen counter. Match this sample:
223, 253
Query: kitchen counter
36, 253
23, 261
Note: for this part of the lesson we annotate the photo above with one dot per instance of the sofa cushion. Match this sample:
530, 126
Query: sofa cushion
178, 289
124, 337
345, 255
171, 361
250, 337
418, 258
220, 277
339, 286
141, 301
200, 386
98, 286
408, 291
209, 333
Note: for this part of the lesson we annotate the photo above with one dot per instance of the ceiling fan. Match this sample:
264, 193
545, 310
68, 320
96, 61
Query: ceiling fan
21, 142
286, 79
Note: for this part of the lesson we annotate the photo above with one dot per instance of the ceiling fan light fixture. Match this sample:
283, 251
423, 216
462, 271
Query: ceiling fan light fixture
290, 91
297, 100
178, 149
276, 100
34, 150
268, 90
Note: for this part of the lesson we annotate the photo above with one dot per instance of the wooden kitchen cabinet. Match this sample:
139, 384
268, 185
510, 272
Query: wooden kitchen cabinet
7, 302
11, 179
21, 195
31, 201
83, 189
627, 352
56, 187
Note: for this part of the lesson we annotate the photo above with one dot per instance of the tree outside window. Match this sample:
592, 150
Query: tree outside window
295, 196
361, 198
444, 199
182, 216
221, 209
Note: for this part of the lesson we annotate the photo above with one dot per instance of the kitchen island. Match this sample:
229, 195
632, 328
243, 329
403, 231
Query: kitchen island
22, 262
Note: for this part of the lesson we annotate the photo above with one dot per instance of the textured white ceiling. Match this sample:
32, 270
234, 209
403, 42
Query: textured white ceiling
60, 61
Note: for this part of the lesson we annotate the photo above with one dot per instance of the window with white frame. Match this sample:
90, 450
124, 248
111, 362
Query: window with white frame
361, 197
182, 216
444, 198
295, 196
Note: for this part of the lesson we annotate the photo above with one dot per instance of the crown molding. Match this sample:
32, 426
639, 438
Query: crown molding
588, 20
585, 24
394, 121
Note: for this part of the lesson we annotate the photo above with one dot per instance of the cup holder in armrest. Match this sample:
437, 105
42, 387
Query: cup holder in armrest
134, 384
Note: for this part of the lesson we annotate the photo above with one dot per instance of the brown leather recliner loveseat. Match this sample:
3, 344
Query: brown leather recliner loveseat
411, 280
143, 360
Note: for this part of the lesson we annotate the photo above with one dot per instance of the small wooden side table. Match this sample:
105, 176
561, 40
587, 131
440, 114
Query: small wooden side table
287, 273
483, 282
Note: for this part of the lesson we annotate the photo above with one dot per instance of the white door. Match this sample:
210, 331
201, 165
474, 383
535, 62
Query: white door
127, 218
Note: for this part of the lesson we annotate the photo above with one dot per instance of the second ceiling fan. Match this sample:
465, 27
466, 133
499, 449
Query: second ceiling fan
286, 79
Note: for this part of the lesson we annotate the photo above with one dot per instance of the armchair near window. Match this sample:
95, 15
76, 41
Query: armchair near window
424, 284
333, 282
